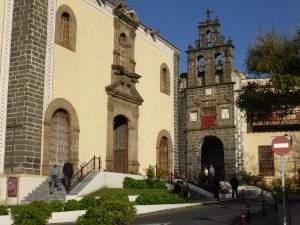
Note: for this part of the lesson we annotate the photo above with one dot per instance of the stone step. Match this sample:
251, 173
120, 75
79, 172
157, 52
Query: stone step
42, 193
197, 196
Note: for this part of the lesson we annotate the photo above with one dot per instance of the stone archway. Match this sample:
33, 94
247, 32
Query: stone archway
164, 151
212, 153
61, 135
120, 144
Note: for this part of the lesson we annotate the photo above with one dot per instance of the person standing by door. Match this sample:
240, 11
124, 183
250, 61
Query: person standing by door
234, 182
68, 174
55, 179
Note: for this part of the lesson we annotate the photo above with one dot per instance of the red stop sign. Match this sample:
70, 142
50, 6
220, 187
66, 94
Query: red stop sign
281, 145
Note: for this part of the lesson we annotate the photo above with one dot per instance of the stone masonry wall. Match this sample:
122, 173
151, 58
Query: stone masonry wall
223, 129
182, 134
26, 87
176, 88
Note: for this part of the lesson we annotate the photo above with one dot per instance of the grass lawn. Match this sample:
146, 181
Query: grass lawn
118, 191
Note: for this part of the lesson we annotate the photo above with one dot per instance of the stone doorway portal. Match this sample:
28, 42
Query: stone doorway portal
59, 138
212, 153
120, 146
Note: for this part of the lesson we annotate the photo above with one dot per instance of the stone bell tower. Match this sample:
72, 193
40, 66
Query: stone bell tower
206, 102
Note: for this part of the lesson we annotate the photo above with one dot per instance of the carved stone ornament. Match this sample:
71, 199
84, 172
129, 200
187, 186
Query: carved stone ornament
128, 15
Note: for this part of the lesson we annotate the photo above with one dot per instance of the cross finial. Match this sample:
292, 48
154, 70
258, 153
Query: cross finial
208, 12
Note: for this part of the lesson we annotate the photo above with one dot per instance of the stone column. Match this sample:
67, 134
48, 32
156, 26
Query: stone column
26, 87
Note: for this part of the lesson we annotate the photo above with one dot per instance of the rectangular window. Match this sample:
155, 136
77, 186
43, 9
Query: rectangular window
194, 116
225, 114
266, 161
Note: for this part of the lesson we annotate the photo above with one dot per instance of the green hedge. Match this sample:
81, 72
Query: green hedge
35, 213
3, 210
131, 183
109, 212
160, 198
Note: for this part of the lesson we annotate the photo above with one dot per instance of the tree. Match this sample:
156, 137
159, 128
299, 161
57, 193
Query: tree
277, 58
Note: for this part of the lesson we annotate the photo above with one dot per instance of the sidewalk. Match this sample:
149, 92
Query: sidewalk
270, 219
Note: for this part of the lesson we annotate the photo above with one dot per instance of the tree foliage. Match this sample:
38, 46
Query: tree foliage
278, 58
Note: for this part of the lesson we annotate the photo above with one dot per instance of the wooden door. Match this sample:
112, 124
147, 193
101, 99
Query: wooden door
121, 147
59, 138
163, 157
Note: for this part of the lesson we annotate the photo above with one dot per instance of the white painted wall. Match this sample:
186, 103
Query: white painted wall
106, 179
27, 183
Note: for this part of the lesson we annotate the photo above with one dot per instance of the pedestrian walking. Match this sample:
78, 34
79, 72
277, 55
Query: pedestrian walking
54, 179
211, 170
234, 182
68, 173
211, 174
205, 173
216, 186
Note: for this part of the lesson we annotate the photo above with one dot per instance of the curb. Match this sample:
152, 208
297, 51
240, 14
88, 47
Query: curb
176, 209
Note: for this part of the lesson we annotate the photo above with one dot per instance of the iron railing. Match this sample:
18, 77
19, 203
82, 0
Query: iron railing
93, 165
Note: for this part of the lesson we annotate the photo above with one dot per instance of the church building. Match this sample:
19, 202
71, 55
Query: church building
81, 78
212, 129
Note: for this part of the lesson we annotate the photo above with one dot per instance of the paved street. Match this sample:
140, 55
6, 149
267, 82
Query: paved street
216, 214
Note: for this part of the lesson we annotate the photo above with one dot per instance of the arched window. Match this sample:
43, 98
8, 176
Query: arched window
209, 38
66, 28
165, 79
201, 70
218, 68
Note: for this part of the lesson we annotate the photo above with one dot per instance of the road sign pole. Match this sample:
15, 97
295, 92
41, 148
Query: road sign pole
282, 167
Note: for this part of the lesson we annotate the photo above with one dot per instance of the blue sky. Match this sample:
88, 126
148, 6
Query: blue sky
241, 20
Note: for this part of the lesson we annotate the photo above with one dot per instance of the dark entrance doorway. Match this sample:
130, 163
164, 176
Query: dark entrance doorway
212, 153
120, 144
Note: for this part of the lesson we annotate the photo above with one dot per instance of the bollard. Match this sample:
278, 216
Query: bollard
242, 218
248, 213
264, 207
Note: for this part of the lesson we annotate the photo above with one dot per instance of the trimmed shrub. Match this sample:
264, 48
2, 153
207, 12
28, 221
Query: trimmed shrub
131, 183
56, 206
36, 213
87, 202
108, 213
155, 184
3, 210
72, 205
163, 198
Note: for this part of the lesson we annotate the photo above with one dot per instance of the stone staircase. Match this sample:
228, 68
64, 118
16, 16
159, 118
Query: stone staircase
80, 186
42, 193
196, 196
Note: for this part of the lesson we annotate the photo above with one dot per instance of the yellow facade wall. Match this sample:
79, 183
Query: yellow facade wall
81, 77
253, 140
157, 110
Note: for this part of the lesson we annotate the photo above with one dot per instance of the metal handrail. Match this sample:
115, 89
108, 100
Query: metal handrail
93, 165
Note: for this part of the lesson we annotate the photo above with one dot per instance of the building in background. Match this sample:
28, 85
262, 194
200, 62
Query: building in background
212, 130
